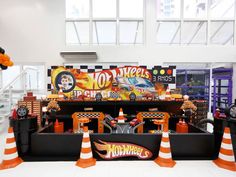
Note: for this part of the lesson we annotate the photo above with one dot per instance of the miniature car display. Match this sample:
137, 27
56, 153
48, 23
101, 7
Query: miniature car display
134, 122
110, 121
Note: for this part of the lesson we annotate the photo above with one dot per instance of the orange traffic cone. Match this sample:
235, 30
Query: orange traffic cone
121, 118
10, 157
86, 155
226, 155
167, 96
164, 158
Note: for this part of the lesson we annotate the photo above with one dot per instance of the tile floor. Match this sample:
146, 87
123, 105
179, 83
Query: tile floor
112, 168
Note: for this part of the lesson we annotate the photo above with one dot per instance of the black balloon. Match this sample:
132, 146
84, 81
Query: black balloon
2, 51
3, 67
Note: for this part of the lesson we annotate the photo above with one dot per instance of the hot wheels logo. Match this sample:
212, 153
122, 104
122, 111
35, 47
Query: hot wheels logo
103, 79
118, 150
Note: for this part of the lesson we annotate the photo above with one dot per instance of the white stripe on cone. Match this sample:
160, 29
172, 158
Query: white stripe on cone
10, 156
226, 157
165, 144
60, 94
10, 135
10, 145
164, 155
86, 155
86, 145
226, 136
165, 134
86, 135
121, 121
226, 146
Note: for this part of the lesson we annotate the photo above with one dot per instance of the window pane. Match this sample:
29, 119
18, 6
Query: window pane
222, 32
77, 8
131, 32
131, 8
180, 78
77, 32
195, 8
222, 8
35, 77
168, 8
104, 8
168, 32
196, 78
104, 32
9, 75
194, 33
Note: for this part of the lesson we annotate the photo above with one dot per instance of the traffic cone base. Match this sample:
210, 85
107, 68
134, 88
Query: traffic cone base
226, 157
84, 163
10, 163
86, 155
10, 157
165, 162
164, 158
226, 165
121, 118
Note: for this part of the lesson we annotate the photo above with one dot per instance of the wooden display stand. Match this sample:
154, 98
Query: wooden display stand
164, 116
89, 115
34, 107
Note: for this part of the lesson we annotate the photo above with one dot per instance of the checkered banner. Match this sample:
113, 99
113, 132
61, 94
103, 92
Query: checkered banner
114, 81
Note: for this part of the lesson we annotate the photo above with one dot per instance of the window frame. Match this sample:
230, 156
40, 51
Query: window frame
208, 19
22, 79
118, 19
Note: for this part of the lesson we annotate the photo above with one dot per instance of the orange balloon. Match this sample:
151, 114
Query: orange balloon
1, 58
4, 58
5, 63
11, 63
7, 58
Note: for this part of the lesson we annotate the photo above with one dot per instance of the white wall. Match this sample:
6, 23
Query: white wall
34, 30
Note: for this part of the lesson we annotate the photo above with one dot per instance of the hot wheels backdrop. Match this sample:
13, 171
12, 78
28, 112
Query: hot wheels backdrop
115, 83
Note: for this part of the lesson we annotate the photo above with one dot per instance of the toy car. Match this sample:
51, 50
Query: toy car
134, 122
110, 121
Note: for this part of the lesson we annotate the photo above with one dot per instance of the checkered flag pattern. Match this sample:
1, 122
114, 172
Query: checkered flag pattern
159, 115
89, 114
98, 68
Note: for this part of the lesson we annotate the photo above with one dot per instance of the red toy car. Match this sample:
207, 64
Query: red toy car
134, 122
110, 121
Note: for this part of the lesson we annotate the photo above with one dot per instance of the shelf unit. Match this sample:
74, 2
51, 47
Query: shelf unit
194, 82
222, 88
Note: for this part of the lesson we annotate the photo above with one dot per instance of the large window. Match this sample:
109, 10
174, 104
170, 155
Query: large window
33, 80
101, 22
195, 22
131, 22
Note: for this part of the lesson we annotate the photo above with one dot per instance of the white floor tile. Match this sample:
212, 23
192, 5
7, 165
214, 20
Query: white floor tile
113, 169
117, 169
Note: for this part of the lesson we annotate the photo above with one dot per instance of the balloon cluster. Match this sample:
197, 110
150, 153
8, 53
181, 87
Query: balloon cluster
5, 60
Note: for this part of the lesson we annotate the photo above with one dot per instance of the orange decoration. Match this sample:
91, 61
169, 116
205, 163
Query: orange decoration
5, 60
